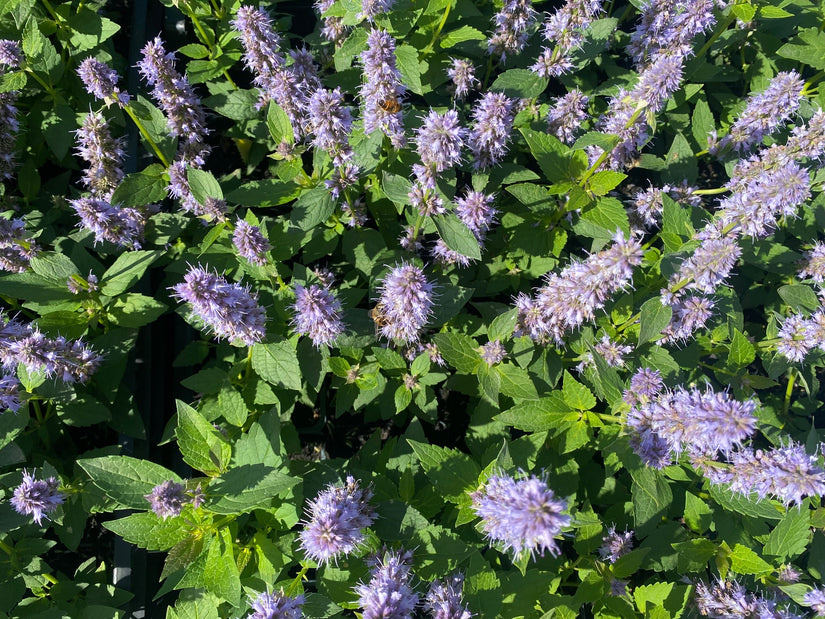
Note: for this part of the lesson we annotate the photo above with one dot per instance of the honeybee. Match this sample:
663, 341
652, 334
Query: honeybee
391, 104
379, 317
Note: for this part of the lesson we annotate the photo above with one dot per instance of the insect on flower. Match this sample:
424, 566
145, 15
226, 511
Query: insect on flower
391, 105
379, 317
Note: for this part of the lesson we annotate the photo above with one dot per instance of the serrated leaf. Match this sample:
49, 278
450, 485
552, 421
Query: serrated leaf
277, 363
791, 536
141, 188
459, 35
490, 382
149, 531
408, 65
606, 180
651, 496
807, 47
520, 84
237, 104
203, 185
609, 214
201, 445
576, 395
799, 296
459, 351
279, 125
702, 123
749, 506
694, 554
247, 487
220, 575
515, 382
541, 415
457, 236
502, 326
396, 187
745, 561
126, 271
126, 480
741, 352
550, 154
232, 405
653, 317
53, 266
450, 471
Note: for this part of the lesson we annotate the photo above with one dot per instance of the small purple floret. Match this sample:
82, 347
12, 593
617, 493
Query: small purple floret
37, 497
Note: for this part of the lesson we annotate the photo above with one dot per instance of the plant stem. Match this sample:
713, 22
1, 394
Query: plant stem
792, 373
438, 30
605, 154
710, 192
145, 133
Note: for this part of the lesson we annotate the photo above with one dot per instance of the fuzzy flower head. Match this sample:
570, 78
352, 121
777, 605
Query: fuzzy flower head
100, 81
493, 119
250, 243
16, 249
815, 600
382, 90
388, 594
443, 600
330, 122
102, 153
167, 499
230, 310
36, 497
370, 9
493, 352
644, 385
277, 606
476, 211
121, 226
68, 360
615, 545
11, 55
405, 303
9, 393
524, 515
439, 140
813, 265
462, 73
317, 314
566, 117
337, 518
512, 25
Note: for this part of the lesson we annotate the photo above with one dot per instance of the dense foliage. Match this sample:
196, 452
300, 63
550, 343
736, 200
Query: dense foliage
445, 308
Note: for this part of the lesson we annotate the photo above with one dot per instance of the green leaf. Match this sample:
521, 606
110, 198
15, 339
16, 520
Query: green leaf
745, 561
702, 123
396, 188
459, 35
609, 214
490, 382
141, 188
741, 352
277, 363
220, 575
232, 405
502, 326
84, 411
515, 382
675, 218
126, 271
14, 80
459, 350
651, 496
539, 416
408, 65
53, 266
450, 471
354, 44
606, 180
694, 554
134, 310
279, 125
520, 84
126, 480
698, 515
807, 47
203, 185
773, 12
742, 504
791, 536
250, 486
630, 563
799, 296
550, 154
201, 445
577, 395
457, 236
269, 192
148, 531
681, 162
237, 104
312, 208
534, 197
653, 317
402, 398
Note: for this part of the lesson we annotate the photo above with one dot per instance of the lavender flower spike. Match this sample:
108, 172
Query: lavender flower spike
167, 499
334, 29
36, 497
230, 310
388, 595
524, 516
815, 599
476, 211
277, 606
813, 266
102, 153
615, 545
121, 226
565, 118
439, 141
101, 81
492, 122
330, 122
443, 599
512, 23
11, 55
317, 314
405, 303
16, 249
370, 9
337, 518
383, 90
69, 360
463, 75
250, 243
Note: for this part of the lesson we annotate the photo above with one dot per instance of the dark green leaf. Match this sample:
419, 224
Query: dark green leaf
408, 65
247, 487
202, 446
203, 185
520, 84
807, 47
141, 188
126, 271
126, 480
654, 316
451, 472
799, 296
791, 536
541, 415
515, 382
148, 531
550, 154
460, 351
457, 236
277, 363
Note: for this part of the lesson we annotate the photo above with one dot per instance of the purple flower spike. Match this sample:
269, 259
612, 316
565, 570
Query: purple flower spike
101, 81
277, 606
121, 226
382, 92
439, 140
566, 117
16, 249
477, 212
167, 499
797, 338
337, 518
68, 360
388, 594
710, 264
813, 266
102, 153
250, 243
615, 545
9, 393
37, 497
726, 598
644, 385
317, 314
230, 310
524, 516
815, 599
444, 601
512, 22
463, 75
334, 29
330, 122
370, 9
184, 114
493, 352
405, 303
11, 55
668, 27
492, 122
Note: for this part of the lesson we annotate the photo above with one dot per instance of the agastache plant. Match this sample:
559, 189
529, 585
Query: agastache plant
388, 594
11, 56
382, 90
405, 304
317, 314
101, 81
37, 497
277, 606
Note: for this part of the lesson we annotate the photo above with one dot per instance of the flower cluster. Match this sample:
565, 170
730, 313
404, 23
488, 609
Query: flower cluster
121, 226
250, 242
565, 30
512, 23
571, 297
493, 117
167, 499
333, 29
382, 91
493, 352
462, 73
337, 518
230, 310
330, 123
16, 249
388, 594
37, 497
103, 154
405, 303
523, 515
277, 606
100, 81
648, 204
667, 27
567, 115
443, 599
10, 58
615, 545
317, 314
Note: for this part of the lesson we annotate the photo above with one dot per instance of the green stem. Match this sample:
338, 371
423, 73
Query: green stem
717, 33
628, 322
710, 192
6, 548
605, 154
789, 390
611, 418
145, 133
438, 30
51, 11
38, 412
49, 89
816, 77
419, 221
292, 589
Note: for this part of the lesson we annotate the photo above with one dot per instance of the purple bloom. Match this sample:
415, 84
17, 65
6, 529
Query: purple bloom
425, 199
690, 313
9, 125
814, 265
10, 53
644, 385
493, 352
167, 499
565, 29
250, 243
463, 75
765, 112
69, 360
100, 81
492, 123
797, 338
9, 393
512, 24
36, 497
262, 49
788, 574
16, 249
443, 600
230, 310
383, 88
524, 516
618, 587
370, 9
388, 594
405, 303
444, 255
439, 140
184, 114
102, 153
615, 545
566, 117
317, 314
668, 27
477, 212
304, 69
330, 122
709, 265
815, 599
212, 208
726, 598
121, 226
612, 352
277, 606
334, 29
